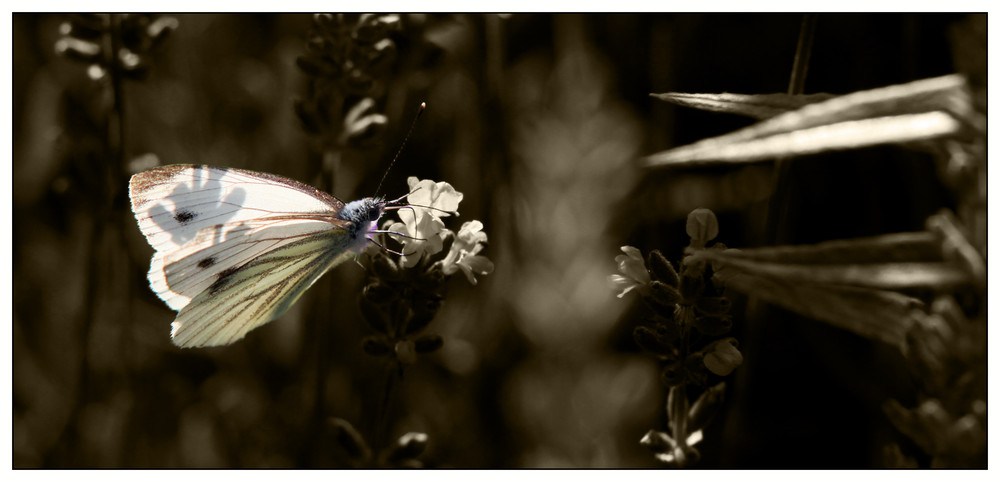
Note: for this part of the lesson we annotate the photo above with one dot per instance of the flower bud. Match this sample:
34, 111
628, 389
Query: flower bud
657, 441
660, 268
667, 329
722, 357
702, 226
384, 267
78, 49
409, 446
692, 282
713, 325
672, 374
378, 292
406, 351
664, 294
372, 313
160, 29
713, 305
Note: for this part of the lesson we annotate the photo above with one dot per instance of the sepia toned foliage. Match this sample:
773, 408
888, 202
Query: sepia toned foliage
799, 285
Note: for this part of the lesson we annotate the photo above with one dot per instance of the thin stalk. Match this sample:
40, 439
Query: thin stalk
796, 85
382, 422
111, 174
778, 207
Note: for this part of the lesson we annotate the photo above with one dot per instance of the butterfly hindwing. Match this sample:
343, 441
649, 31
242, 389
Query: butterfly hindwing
261, 290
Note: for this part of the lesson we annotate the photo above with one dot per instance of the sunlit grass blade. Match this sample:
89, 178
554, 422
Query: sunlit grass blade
840, 136
920, 246
758, 106
897, 276
920, 110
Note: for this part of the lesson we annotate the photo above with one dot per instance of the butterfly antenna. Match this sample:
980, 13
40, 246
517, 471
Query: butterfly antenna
423, 105
411, 206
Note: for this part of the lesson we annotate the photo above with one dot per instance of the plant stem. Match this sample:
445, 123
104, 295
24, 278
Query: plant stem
800, 67
382, 423
780, 190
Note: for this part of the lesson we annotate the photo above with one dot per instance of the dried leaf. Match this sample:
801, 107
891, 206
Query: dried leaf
876, 314
840, 136
941, 276
917, 110
919, 246
957, 246
758, 106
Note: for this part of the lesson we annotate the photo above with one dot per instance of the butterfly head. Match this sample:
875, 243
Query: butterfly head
363, 215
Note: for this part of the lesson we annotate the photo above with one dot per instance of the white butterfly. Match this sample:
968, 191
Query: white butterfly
235, 249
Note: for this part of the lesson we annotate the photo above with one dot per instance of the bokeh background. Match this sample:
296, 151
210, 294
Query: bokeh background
539, 120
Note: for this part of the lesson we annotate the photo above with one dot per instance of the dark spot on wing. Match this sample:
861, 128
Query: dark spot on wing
183, 216
209, 261
223, 278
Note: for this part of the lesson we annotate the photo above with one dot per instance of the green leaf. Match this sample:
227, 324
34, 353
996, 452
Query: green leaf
758, 106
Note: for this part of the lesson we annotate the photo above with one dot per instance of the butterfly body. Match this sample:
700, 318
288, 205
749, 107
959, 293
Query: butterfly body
235, 249
362, 216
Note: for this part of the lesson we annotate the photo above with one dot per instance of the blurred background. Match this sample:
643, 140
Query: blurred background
539, 120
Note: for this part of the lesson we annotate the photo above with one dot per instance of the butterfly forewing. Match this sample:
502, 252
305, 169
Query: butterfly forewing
173, 203
221, 232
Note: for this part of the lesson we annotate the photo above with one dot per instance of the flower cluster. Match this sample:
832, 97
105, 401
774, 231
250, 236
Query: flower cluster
948, 359
347, 61
678, 302
134, 35
402, 296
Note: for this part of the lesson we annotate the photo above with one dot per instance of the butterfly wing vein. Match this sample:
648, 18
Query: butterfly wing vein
257, 292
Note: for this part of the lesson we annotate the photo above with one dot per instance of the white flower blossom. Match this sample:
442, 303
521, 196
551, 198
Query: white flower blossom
464, 253
633, 268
